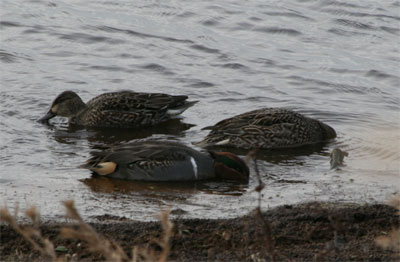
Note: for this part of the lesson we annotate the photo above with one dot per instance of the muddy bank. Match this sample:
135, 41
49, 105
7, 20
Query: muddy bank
321, 231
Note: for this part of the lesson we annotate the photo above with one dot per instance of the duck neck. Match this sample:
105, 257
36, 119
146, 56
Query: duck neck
76, 110
77, 107
229, 166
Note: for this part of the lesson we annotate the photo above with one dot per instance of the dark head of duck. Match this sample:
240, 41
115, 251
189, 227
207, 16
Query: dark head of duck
229, 166
66, 104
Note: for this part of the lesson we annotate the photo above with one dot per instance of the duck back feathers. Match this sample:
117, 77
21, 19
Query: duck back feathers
130, 109
267, 128
152, 161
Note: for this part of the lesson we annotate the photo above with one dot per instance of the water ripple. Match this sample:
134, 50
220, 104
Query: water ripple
232, 66
157, 68
342, 4
9, 24
288, 14
278, 30
7, 57
205, 49
354, 24
90, 39
347, 33
359, 14
140, 34
380, 75
392, 30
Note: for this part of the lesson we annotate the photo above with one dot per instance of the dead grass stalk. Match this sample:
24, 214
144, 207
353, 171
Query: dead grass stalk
392, 239
31, 234
268, 240
95, 242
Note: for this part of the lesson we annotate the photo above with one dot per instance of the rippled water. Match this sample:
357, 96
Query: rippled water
337, 61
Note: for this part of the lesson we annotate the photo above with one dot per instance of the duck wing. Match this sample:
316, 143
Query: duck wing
147, 160
265, 128
128, 101
130, 109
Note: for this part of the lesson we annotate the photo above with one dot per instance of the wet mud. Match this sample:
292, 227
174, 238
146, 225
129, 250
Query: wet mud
313, 231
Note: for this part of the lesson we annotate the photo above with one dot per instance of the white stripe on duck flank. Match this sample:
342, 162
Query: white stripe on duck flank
194, 164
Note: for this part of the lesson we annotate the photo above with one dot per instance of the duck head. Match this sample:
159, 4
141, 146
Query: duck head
229, 166
66, 104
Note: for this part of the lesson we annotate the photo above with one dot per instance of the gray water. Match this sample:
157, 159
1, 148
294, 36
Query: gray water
337, 61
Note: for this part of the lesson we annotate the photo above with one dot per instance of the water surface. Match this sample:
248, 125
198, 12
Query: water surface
337, 61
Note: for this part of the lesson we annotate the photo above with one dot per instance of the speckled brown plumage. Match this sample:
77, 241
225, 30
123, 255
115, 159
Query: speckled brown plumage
267, 128
118, 109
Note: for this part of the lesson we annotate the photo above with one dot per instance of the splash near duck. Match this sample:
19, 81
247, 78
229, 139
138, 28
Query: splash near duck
118, 109
267, 128
165, 161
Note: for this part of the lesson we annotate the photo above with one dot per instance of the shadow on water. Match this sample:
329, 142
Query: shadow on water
107, 185
68, 134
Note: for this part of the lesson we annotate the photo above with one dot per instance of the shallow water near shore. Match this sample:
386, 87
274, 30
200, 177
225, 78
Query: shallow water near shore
332, 60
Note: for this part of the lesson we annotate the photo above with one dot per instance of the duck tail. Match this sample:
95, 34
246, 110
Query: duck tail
181, 108
205, 143
88, 164
102, 168
328, 132
202, 143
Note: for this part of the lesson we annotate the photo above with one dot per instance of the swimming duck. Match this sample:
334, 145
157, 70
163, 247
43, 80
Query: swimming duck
165, 161
117, 109
267, 128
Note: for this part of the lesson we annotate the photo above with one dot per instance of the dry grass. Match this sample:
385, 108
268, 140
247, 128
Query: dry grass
392, 239
146, 254
266, 226
82, 231
31, 234
95, 242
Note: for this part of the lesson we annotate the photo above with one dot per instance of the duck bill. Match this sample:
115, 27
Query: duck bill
47, 117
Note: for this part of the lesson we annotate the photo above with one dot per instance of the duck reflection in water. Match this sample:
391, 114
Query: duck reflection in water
66, 133
100, 184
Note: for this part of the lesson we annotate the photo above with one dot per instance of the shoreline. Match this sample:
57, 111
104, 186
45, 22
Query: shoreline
319, 231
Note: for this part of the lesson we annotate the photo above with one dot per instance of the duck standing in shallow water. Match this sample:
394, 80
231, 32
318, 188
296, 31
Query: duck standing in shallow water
117, 109
267, 128
165, 161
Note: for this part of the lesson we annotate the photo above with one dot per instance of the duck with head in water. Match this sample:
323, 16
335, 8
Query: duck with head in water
117, 109
165, 161
267, 128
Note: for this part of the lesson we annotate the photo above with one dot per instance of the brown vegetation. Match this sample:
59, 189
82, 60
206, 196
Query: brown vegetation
313, 231
96, 243
392, 239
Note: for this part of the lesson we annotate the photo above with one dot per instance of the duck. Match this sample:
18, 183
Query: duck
126, 109
267, 128
165, 161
